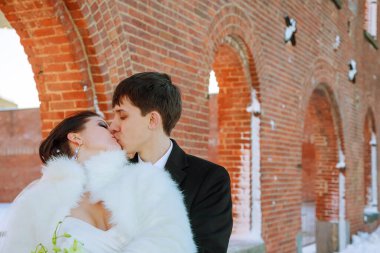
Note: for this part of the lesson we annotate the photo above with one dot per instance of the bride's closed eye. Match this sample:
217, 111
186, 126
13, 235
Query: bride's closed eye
103, 124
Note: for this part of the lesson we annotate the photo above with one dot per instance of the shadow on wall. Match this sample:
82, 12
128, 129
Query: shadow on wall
20, 135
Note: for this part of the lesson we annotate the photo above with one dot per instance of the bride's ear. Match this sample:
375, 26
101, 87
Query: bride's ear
75, 138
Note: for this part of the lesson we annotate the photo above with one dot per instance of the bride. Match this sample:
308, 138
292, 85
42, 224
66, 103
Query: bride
106, 203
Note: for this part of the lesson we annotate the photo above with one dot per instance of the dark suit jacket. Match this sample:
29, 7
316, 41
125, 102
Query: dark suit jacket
206, 188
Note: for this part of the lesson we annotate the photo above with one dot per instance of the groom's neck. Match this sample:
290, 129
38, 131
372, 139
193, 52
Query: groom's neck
155, 149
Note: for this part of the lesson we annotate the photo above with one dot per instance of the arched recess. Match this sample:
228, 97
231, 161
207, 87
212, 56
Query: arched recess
64, 64
56, 52
20, 129
234, 138
233, 135
370, 172
323, 165
232, 20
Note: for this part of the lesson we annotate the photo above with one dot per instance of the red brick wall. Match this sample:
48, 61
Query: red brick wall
75, 43
308, 171
20, 135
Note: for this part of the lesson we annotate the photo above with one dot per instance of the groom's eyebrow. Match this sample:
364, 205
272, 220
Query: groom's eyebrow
119, 111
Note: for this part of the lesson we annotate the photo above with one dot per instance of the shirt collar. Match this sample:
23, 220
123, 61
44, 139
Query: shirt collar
162, 161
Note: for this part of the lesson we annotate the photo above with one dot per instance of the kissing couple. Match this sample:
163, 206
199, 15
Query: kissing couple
93, 198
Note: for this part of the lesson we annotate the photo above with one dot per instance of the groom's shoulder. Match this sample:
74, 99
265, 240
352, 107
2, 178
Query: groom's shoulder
202, 166
198, 167
198, 161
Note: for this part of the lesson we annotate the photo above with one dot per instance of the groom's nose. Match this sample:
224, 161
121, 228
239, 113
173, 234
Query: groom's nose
114, 126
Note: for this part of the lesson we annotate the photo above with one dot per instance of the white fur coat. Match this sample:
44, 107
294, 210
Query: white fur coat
146, 205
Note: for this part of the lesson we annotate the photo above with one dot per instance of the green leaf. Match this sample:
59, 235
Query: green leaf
54, 240
75, 245
56, 249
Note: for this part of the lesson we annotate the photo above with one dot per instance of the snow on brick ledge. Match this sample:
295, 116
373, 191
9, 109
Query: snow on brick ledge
370, 214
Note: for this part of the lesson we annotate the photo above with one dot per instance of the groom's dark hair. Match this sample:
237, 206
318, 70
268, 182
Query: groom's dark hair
152, 91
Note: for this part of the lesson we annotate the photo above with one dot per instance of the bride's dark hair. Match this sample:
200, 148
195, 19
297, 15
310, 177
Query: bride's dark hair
57, 144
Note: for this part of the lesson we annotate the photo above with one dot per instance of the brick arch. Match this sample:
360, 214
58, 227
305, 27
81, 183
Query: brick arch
233, 131
110, 60
232, 54
323, 76
231, 23
322, 137
52, 45
322, 72
331, 129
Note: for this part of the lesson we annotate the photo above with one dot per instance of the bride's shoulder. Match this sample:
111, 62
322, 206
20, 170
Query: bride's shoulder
60, 179
30, 188
61, 168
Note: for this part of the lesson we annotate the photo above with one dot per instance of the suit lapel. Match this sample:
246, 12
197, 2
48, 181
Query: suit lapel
176, 163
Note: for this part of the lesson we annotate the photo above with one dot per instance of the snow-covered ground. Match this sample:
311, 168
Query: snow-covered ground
361, 243
308, 223
364, 242
309, 249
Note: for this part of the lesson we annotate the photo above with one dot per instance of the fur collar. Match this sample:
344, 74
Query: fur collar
94, 174
104, 168
63, 168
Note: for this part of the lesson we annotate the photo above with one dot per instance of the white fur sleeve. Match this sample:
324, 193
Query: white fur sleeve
15, 238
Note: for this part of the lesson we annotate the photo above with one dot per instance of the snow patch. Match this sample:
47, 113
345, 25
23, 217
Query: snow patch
371, 210
256, 175
341, 164
213, 87
364, 242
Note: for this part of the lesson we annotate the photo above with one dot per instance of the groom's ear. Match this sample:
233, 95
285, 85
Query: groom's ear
155, 120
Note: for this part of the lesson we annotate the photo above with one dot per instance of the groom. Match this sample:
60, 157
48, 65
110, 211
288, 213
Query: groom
147, 106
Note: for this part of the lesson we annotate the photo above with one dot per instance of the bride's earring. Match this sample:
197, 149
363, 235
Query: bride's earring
76, 152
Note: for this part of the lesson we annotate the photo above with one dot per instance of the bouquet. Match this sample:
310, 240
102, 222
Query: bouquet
76, 247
